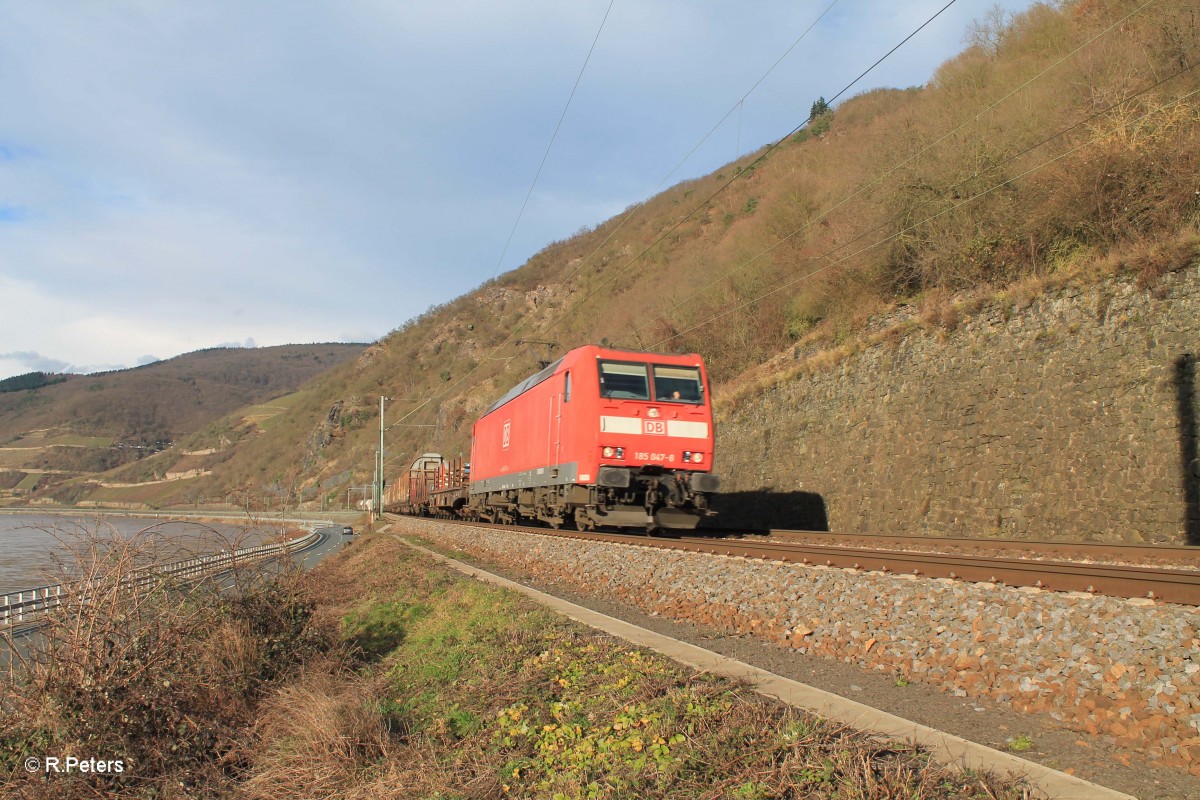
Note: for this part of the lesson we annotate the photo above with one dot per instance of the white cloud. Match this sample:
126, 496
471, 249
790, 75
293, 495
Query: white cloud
87, 339
31, 361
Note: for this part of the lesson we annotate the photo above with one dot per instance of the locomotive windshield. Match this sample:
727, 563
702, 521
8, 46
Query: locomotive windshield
677, 384
625, 381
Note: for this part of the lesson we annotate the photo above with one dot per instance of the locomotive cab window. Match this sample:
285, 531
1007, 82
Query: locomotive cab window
567, 387
677, 384
620, 380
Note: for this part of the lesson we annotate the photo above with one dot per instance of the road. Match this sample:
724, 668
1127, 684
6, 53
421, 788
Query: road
331, 542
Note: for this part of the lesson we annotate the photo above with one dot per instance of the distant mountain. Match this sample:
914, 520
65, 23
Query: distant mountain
84, 423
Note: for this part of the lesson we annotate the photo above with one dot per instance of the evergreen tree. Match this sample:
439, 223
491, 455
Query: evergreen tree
30, 380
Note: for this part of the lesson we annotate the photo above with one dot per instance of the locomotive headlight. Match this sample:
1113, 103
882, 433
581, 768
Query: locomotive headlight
620, 452
697, 458
653, 413
608, 452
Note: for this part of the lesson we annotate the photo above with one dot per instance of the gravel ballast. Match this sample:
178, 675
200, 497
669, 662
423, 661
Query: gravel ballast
1126, 670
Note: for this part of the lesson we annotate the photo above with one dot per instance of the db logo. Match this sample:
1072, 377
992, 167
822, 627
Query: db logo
507, 433
657, 427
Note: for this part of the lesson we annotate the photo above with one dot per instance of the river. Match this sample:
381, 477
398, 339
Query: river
40, 549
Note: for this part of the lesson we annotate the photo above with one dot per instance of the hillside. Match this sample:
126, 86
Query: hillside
73, 424
1059, 148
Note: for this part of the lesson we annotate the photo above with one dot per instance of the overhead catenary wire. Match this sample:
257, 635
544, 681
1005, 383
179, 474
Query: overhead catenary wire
522, 323
876, 181
930, 218
737, 150
553, 137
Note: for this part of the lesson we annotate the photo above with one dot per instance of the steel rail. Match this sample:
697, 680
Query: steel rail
1166, 585
1167, 554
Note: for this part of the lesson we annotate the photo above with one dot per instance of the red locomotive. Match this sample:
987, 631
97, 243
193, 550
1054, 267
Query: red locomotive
601, 437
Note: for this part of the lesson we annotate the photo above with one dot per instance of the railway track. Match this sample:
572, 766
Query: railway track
1091, 552
1152, 582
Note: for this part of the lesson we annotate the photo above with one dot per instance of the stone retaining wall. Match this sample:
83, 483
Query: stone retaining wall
1070, 418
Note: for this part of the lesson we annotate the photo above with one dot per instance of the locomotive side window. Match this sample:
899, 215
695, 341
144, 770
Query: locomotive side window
567, 387
624, 381
677, 384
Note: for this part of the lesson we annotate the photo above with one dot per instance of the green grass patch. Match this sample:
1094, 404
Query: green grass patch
72, 440
52, 438
28, 482
268, 415
18, 459
1020, 744
380, 628
152, 494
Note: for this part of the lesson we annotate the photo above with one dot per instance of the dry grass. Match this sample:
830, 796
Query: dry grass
319, 736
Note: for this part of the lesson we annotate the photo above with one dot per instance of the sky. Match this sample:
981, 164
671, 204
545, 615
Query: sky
201, 173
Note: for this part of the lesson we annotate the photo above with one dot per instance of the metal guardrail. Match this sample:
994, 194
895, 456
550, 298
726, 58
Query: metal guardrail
26, 605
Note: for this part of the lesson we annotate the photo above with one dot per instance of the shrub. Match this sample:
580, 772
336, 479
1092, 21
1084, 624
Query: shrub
161, 673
